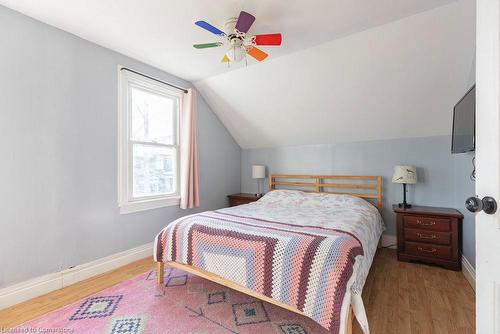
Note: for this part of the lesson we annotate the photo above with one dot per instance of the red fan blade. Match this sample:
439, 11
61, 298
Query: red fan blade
268, 39
257, 53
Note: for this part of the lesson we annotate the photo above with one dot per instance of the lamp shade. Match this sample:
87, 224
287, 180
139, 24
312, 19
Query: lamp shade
405, 174
258, 172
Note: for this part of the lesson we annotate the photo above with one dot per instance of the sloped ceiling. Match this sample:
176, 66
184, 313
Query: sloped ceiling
161, 33
396, 80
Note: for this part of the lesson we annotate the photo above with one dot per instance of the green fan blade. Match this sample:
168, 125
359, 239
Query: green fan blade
207, 45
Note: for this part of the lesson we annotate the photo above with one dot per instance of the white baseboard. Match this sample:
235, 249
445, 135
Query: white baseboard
469, 272
41, 285
389, 240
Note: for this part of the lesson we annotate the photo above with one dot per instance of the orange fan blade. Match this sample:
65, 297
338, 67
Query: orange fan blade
225, 59
257, 53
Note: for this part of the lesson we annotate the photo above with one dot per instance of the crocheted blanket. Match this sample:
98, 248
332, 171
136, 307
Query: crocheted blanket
308, 267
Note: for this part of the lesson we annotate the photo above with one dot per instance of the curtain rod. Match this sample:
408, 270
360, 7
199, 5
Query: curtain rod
147, 76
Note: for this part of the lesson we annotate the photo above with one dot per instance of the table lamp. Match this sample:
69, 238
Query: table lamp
405, 175
258, 173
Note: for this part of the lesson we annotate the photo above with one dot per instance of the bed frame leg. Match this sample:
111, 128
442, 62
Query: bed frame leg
159, 273
350, 318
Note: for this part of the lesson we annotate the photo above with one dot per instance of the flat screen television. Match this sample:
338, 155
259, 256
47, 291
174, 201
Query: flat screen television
464, 123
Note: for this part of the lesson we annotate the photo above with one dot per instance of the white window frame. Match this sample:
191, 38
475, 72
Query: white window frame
126, 202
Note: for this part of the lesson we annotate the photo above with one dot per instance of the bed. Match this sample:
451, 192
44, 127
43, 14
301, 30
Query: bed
308, 250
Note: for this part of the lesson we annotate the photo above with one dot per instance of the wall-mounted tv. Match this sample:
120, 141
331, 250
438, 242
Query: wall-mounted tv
464, 123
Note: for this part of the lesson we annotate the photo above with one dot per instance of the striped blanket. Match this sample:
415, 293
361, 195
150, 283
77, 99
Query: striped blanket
308, 267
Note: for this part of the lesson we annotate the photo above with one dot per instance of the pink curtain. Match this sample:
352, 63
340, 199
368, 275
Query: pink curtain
190, 182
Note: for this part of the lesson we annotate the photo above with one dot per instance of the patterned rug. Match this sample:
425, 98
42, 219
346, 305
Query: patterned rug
187, 304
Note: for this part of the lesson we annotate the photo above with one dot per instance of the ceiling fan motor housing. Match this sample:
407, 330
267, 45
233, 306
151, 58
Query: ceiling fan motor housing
230, 25
235, 40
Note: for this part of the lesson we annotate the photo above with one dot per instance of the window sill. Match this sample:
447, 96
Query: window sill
131, 207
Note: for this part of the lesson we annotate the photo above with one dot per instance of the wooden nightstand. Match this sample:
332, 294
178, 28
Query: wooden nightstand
242, 198
429, 234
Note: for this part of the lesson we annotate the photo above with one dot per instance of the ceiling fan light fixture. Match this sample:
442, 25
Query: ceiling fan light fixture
236, 53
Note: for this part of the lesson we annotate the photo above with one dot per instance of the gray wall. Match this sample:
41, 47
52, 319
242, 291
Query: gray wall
58, 167
443, 178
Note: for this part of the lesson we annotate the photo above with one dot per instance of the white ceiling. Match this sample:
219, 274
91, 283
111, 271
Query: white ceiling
348, 70
161, 33
392, 81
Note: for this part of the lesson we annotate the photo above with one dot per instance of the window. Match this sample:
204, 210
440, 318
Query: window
148, 175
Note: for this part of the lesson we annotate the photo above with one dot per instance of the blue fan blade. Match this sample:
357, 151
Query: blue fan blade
209, 27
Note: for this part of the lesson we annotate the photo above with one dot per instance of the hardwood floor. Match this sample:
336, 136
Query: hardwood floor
413, 298
399, 297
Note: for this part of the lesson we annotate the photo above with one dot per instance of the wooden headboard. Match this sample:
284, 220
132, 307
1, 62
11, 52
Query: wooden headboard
368, 187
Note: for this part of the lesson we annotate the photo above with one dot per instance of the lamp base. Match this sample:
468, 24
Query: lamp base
404, 204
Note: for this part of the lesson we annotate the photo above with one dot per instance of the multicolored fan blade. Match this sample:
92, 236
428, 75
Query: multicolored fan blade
225, 59
268, 39
257, 53
209, 27
245, 21
207, 45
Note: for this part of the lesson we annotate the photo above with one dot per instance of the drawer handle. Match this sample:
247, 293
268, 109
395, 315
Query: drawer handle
419, 222
432, 250
424, 236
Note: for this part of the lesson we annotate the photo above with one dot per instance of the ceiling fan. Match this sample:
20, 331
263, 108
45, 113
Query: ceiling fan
235, 35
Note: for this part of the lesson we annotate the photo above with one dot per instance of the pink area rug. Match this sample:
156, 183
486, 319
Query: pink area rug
187, 304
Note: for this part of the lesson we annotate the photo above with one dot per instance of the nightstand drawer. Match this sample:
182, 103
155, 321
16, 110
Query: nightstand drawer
242, 198
236, 202
427, 223
442, 238
421, 249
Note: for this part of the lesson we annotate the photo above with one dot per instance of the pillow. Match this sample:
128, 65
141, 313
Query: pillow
282, 197
297, 198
